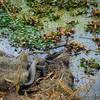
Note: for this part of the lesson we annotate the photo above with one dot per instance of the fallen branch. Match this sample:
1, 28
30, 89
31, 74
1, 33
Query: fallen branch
65, 87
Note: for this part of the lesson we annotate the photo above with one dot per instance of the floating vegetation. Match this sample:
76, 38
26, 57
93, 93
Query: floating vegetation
90, 65
54, 16
71, 24
56, 36
33, 21
42, 10
96, 12
75, 46
19, 33
96, 40
78, 11
46, 10
94, 26
69, 4
31, 37
26, 32
5, 20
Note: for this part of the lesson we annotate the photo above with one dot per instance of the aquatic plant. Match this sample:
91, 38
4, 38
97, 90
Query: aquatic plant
78, 11
96, 39
46, 10
90, 65
75, 47
64, 3
96, 12
94, 26
25, 32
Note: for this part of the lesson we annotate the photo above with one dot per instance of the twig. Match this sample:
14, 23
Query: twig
66, 88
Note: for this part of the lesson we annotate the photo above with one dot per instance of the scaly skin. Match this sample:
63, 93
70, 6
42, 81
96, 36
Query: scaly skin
15, 69
12, 69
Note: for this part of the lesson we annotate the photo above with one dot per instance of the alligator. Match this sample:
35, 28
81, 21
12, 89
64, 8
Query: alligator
14, 69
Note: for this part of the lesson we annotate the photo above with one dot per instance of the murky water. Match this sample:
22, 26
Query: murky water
77, 71
7, 48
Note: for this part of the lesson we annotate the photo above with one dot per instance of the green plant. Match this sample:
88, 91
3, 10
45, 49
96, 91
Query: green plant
90, 65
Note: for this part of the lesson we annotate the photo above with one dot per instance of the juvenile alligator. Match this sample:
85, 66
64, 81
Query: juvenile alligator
15, 69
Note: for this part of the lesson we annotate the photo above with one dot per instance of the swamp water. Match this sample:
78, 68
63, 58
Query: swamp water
80, 77
78, 72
